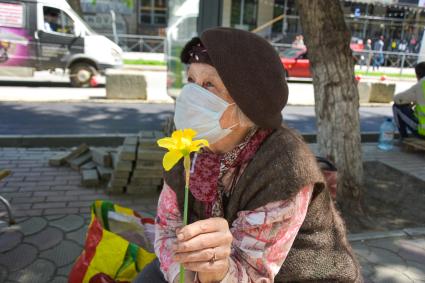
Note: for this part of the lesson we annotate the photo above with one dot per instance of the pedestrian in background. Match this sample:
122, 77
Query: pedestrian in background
298, 42
367, 53
378, 58
409, 107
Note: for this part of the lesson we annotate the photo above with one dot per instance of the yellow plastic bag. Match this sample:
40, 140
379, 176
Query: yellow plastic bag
118, 246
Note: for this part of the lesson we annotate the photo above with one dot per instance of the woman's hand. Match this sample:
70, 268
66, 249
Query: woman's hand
204, 247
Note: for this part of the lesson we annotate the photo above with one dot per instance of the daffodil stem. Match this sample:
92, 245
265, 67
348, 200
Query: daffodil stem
186, 204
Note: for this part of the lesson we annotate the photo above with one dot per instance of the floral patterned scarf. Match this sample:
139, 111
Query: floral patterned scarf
208, 167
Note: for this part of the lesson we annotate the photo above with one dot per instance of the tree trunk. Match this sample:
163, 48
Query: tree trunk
76, 6
335, 91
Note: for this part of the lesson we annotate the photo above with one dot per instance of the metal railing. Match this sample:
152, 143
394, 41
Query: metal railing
368, 59
139, 43
390, 59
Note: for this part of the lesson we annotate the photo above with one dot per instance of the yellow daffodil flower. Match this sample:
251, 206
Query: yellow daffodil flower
179, 145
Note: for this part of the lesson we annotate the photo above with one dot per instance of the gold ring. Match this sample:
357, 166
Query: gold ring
213, 259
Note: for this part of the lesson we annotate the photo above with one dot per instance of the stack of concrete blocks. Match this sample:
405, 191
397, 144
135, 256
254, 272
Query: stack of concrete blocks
94, 164
124, 163
134, 168
147, 174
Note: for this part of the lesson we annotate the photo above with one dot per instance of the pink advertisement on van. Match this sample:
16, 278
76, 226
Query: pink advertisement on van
14, 38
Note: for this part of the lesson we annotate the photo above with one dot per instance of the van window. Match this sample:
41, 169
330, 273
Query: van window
56, 20
11, 15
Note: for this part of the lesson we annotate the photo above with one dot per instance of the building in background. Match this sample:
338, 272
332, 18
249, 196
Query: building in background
144, 17
152, 17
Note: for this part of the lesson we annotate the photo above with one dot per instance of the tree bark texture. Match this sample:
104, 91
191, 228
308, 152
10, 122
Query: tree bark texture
76, 6
335, 91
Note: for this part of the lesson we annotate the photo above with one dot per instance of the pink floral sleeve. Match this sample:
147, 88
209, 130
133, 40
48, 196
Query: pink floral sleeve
262, 238
168, 219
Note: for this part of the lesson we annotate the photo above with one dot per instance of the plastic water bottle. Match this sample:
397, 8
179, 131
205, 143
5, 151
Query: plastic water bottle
386, 135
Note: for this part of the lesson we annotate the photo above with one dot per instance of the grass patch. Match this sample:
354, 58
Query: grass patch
391, 75
144, 62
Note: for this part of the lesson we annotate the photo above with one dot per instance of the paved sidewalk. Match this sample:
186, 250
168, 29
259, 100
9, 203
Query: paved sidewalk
52, 213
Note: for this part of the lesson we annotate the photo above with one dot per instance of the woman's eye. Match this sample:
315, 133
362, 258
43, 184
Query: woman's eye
208, 84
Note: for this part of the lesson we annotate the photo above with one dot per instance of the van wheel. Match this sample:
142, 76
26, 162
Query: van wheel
81, 74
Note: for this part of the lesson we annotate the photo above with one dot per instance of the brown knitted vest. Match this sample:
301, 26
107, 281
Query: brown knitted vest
283, 165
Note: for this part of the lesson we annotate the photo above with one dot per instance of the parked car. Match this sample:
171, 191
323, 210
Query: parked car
296, 62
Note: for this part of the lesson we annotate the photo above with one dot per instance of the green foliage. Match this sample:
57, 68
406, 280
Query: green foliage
129, 3
144, 62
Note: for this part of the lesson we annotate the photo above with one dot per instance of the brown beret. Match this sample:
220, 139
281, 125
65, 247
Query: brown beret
251, 70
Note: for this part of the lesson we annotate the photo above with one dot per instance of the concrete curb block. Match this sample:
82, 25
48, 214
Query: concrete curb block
107, 139
365, 136
408, 232
56, 141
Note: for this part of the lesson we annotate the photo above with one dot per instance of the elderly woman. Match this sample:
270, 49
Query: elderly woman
259, 207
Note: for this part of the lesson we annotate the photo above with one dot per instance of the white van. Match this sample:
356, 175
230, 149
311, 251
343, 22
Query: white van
47, 34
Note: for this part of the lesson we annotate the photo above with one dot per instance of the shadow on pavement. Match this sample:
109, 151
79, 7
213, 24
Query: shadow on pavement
39, 84
88, 118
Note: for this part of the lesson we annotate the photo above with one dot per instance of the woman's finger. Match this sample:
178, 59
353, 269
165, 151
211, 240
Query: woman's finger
205, 266
222, 252
201, 227
204, 241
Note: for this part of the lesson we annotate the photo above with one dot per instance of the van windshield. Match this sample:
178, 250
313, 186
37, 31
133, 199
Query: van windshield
86, 26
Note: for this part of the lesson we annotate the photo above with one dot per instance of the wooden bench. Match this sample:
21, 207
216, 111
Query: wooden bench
414, 144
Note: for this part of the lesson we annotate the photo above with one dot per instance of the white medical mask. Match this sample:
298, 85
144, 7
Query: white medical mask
201, 110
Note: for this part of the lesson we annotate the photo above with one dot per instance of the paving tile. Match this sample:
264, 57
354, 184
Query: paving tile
367, 268
415, 270
39, 271
19, 206
54, 217
385, 257
361, 249
59, 279
69, 223
420, 242
49, 205
45, 239
27, 200
61, 198
63, 254
388, 243
87, 203
67, 210
9, 239
33, 225
410, 251
49, 193
3, 274
78, 236
65, 270
18, 258
388, 274
84, 210
28, 212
